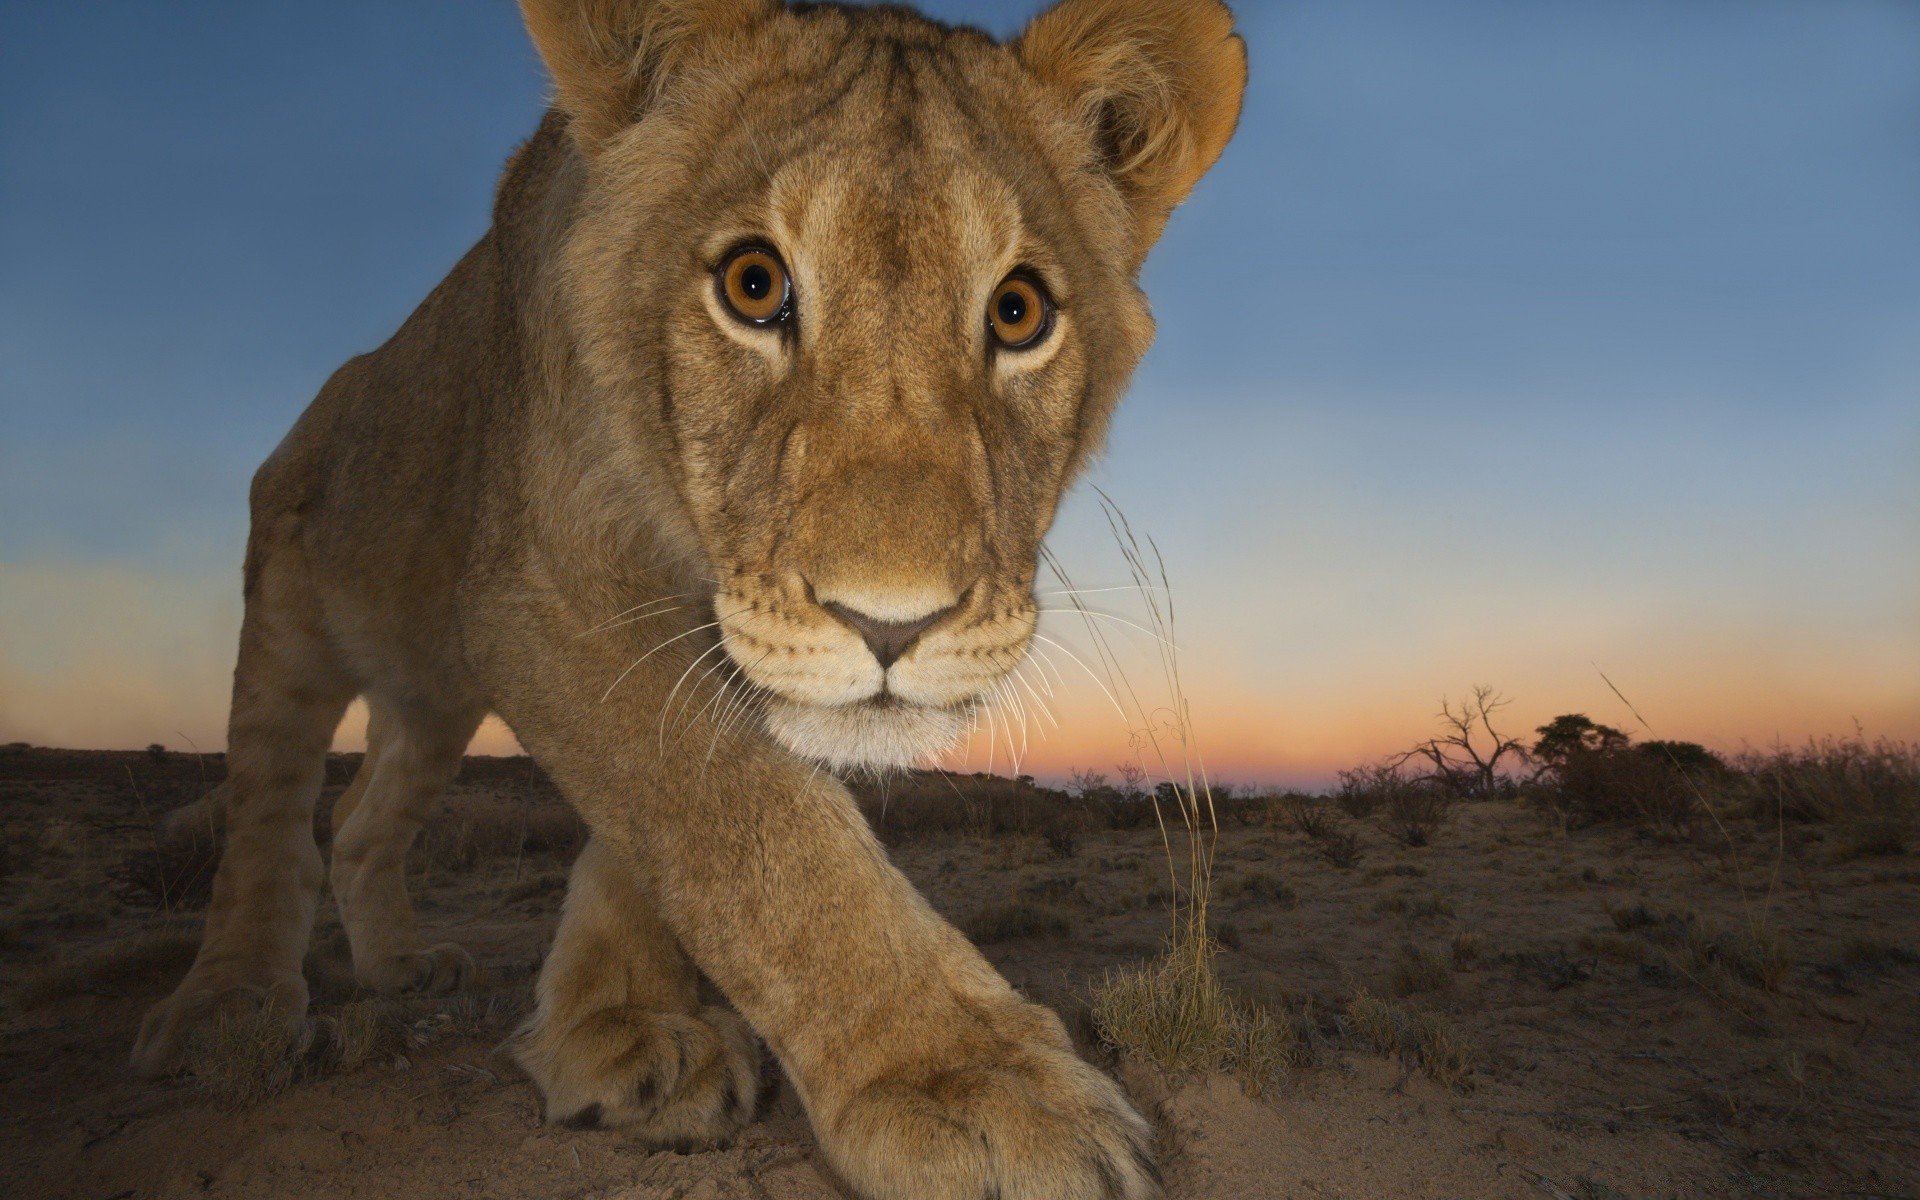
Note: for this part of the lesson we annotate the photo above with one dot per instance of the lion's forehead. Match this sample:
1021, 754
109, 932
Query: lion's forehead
932, 131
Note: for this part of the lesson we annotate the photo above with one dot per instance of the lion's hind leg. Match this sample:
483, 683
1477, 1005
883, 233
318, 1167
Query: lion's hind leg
411, 757
289, 693
619, 1038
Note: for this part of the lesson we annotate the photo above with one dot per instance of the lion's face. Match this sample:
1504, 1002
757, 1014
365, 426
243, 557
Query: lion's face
864, 289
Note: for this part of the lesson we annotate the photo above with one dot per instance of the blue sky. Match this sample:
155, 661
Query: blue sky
1508, 343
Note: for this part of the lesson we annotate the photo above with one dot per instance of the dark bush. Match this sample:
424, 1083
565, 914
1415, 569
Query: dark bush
1624, 787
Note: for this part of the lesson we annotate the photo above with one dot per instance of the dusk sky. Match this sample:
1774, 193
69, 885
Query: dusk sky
1509, 344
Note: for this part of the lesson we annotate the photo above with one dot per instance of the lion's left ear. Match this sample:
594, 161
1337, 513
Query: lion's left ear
1157, 83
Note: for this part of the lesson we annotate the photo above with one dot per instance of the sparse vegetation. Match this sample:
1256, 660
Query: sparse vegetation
1423, 1038
1678, 916
1258, 887
1005, 922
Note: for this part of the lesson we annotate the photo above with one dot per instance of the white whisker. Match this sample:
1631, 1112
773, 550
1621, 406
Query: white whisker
1111, 699
649, 654
1088, 612
665, 704
615, 619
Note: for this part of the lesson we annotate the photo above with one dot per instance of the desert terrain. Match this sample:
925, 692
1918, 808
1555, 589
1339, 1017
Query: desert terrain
1529, 1004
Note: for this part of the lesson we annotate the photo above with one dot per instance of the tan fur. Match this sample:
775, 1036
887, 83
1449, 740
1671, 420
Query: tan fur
574, 491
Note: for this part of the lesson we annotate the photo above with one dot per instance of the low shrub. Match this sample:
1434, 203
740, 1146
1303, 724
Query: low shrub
1341, 848
1308, 816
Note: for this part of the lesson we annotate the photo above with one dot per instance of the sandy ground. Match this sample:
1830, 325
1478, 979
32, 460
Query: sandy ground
1602, 1066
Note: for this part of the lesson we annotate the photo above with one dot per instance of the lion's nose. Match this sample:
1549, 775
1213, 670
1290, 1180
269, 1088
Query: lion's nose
887, 639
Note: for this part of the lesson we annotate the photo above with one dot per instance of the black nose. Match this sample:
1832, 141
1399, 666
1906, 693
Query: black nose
887, 639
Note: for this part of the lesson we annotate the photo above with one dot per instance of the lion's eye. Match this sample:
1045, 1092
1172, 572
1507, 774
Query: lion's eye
755, 286
1020, 312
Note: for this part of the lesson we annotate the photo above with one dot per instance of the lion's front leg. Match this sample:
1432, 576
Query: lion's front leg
619, 1039
925, 1075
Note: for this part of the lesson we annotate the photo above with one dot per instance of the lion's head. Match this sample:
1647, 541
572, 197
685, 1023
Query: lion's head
862, 290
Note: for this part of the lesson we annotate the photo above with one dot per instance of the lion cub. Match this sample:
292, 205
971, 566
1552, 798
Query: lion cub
725, 456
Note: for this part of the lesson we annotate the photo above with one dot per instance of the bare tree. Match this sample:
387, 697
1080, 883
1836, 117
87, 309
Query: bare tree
1465, 758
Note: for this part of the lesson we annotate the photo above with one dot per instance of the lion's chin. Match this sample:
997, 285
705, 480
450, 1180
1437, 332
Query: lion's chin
873, 735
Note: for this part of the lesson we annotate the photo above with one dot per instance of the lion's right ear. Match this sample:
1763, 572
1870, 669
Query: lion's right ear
610, 58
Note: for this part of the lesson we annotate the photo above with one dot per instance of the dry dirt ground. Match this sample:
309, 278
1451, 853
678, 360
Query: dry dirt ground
1608, 1060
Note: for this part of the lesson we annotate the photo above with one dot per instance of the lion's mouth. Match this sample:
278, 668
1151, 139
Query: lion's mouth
880, 731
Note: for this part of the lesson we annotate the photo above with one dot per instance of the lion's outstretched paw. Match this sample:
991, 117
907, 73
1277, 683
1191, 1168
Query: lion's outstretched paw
206, 1004
1039, 1125
442, 968
681, 1080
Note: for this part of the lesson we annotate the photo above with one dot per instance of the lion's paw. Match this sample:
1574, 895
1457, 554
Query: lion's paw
680, 1080
442, 968
1039, 1125
207, 1003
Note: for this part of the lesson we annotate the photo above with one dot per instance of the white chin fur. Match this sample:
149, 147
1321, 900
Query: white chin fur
866, 735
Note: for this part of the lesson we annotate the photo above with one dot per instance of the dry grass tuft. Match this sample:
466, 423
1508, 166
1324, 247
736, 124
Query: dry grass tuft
143, 962
244, 1057
1417, 969
1757, 955
1425, 1039
1175, 1013
1374, 1021
1465, 949
364, 1030
1442, 1050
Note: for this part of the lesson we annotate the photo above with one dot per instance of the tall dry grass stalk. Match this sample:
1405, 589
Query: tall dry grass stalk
1159, 727
1172, 1010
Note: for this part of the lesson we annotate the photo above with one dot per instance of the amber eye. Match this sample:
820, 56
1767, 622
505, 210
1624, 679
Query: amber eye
1019, 312
755, 286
